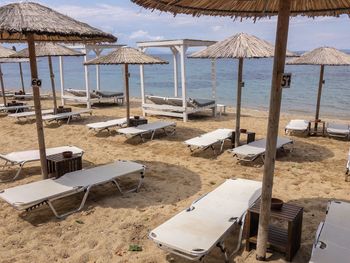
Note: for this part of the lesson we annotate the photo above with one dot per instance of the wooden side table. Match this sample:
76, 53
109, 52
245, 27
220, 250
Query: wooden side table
57, 165
250, 137
319, 127
283, 240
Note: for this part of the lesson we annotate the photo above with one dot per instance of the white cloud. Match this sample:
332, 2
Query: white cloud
141, 34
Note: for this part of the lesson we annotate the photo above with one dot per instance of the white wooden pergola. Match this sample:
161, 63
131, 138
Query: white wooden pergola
97, 50
177, 47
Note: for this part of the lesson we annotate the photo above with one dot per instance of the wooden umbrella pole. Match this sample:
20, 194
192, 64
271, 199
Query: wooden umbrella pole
2, 87
21, 75
126, 79
273, 122
37, 105
52, 77
319, 95
239, 99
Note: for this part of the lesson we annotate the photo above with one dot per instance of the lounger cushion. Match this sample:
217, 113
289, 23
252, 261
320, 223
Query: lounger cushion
298, 125
28, 114
34, 155
107, 124
81, 93
202, 102
258, 147
202, 225
108, 94
157, 99
335, 235
336, 128
210, 138
145, 128
24, 196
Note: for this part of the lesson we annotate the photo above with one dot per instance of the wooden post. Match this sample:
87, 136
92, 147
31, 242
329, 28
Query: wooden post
2, 87
61, 79
86, 74
239, 99
37, 105
21, 75
183, 81
127, 98
319, 95
176, 85
52, 77
273, 122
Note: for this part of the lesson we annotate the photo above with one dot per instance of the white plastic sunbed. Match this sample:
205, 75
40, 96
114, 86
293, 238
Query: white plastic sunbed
208, 140
332, 243
251, 151
106, 125
28, 114
28, 196
149, 128
195, 231
23, 157
66, 115
297, 126
338, 130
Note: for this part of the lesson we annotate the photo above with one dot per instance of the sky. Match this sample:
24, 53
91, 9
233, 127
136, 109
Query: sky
131, 23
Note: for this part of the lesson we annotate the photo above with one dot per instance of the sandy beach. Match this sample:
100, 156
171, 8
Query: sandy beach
308, 176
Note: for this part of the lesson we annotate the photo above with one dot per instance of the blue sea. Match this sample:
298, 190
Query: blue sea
300, 98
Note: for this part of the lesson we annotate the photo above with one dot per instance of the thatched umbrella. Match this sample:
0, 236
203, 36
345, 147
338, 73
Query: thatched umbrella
30, 22
49, 50
256, 9
322, 56
5, 54
239, 46
126, 56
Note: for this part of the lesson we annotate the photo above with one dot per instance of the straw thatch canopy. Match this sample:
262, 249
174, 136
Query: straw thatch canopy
126, 55
244, 8
14, 60
17, 20
45, 49
322, 56
241, 45
6, 52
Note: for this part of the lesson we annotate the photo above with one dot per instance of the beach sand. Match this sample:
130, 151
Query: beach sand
102, 232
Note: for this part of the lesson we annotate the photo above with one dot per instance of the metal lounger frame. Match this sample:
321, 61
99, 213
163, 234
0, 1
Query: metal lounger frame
153, 132
87, 191
211, 146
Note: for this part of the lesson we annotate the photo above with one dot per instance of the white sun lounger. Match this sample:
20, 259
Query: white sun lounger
195, 231
28, 196
28, 114
66, 115
208, 140
106, 125
15, 108
23, 157
338, 130
150, 128
251, 151
332, 243
297, 126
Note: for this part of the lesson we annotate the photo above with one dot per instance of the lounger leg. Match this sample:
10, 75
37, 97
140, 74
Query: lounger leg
18, 172
73, 211
136, 189
221, 245
222, 146
153, 133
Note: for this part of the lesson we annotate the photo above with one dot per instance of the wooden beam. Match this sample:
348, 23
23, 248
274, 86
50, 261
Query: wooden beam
239, 100
183, 79
273, 123
37, 106
61, 79
2, 87
52, 77
21, 76
127, 96
319, 95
